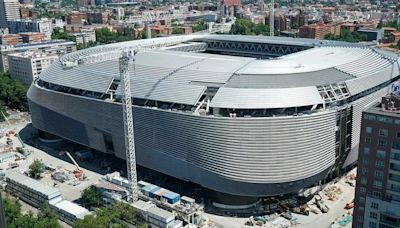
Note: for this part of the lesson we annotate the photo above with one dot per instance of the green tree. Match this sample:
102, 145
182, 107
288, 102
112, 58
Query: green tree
15, 219
115, 215
36, 169
59, 35
47, 218
246, 27
3, 112
12, 211
12, 93
346, 35
91, 197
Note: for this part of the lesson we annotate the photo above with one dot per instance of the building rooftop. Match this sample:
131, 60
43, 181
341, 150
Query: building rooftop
72, 208
49, 191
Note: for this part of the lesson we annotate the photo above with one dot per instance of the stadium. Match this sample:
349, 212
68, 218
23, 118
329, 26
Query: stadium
240, 115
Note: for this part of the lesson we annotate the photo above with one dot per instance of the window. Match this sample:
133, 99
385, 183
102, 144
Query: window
368, 130
364, 171
373, 215
385, 119
365, 161
382, 142
376, 194
366, 151
395, 156
396, 144
369, 117
380, 164
362, 200
374, 205
381, 154
383, 132
398, 134
372, 224
379, 174
363, 180
363, 190
377, 184
367, 140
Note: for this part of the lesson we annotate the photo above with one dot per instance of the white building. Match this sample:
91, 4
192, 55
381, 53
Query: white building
69, 212
85, 36
26, 66
9, 10
43, 25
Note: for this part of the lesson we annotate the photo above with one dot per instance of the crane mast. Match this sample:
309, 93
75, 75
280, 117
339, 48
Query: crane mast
128, 121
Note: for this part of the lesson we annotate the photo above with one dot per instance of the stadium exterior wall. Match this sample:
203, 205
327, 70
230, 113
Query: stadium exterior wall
241, 156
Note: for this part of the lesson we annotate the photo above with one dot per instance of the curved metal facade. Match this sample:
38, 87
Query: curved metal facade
241, 156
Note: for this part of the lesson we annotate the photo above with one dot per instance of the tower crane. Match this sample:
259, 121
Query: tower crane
128, 55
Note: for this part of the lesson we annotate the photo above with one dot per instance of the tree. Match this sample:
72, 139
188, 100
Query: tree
58, 34
91, 197
47, 218
2, 113
36, 169
346, 35
115, 215
12, 93
246, 27
15, 219
12, 210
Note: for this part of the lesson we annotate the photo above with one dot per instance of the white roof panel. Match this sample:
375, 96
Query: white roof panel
241, 98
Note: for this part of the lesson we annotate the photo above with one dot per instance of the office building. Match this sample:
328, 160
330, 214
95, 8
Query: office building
43, 25
27, 66
9, 10
377, 202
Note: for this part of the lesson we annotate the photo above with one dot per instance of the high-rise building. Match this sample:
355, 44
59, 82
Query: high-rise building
43, 25
26, 66
377, 202
9, 10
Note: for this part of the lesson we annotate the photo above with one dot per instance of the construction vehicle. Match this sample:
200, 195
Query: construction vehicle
78, 172
350, 204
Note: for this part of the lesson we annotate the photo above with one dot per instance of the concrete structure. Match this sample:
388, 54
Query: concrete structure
10, 39
27, 66
377, 201
43, 25
30, 190
69, 212
9, 10
156, 217
372, 34
85, 37
59, 47
238, 123
76, 17
32, 37
315, 31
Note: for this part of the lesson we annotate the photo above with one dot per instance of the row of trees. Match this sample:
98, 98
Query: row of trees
12, 94
105, 36
117, 215
347, 36
246, 27
46, 218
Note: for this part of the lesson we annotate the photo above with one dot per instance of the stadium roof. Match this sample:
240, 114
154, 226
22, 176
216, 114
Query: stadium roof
182, 77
